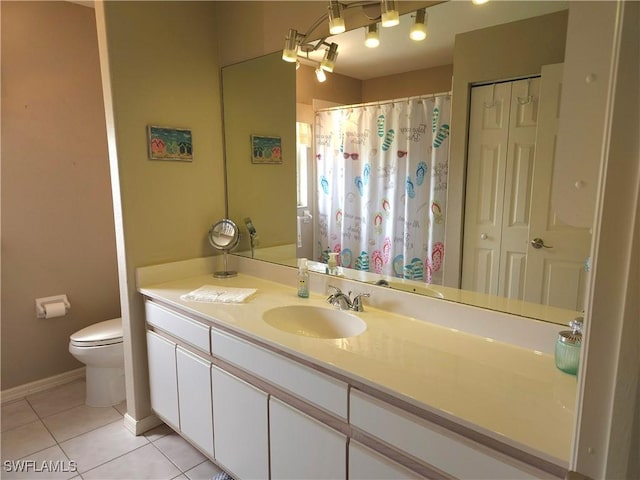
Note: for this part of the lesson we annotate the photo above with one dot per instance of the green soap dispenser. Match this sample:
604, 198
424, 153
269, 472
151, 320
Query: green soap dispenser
568, 345
303, 278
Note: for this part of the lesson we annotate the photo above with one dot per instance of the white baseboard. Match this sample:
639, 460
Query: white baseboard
138, 427
22, 391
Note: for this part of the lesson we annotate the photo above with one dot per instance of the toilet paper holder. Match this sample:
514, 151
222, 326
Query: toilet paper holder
41, 302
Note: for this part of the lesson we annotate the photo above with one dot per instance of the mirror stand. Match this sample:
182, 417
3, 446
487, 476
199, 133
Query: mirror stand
224, 235
226, 273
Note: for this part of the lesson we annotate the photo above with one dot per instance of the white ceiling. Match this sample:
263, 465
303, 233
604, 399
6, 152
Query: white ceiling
397, 53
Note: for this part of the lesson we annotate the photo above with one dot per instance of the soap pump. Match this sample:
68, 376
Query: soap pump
303, 278
332, 264
568, 345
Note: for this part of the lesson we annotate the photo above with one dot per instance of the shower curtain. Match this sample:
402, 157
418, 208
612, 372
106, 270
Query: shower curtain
382, 183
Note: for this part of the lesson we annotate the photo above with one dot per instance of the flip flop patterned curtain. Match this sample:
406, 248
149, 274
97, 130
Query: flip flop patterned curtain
382, 184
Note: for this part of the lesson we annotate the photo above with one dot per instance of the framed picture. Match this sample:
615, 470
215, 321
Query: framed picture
169, 143
265, 149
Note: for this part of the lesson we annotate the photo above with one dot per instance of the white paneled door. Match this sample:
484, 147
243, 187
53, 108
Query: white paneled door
512, 130
555, 273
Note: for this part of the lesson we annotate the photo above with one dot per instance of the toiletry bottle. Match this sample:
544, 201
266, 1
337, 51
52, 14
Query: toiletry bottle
568, 345
332, 264
303, 278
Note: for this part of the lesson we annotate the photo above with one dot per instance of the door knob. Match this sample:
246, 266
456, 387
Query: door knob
539, 243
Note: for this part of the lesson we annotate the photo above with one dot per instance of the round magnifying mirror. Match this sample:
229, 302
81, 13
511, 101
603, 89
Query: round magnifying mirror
224, 235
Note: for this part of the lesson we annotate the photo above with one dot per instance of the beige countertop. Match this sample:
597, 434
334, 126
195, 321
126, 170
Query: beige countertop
510, 393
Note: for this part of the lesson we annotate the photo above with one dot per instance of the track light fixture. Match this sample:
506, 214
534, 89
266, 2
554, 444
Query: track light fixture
418, 30
388, 17
336, 22
371, 36
389, 13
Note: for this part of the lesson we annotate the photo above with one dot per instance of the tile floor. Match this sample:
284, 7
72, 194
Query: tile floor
54, 435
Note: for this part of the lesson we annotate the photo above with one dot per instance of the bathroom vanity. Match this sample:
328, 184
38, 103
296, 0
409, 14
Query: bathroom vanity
405, 398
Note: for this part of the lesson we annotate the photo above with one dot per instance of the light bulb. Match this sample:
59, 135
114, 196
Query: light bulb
418, 30
479, 2
336, 26
320, 75
336, 22
371, 36
290, 50
390, 15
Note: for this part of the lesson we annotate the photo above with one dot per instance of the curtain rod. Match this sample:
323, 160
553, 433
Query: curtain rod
385, 102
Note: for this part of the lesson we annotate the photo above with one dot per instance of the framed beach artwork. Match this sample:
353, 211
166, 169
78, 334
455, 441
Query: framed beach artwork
169, 143
266, 149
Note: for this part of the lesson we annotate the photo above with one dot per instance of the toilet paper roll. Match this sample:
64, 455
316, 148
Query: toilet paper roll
53, 310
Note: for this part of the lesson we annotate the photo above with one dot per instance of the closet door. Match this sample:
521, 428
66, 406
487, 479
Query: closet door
500, 167
517, 198
486, 170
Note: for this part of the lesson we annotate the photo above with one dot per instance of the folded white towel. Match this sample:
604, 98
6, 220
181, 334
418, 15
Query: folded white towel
215, 294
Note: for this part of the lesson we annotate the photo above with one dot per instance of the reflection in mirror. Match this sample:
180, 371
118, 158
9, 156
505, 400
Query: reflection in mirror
514, 47
224, 235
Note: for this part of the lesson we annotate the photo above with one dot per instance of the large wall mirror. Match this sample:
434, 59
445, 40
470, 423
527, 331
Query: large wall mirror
505, 54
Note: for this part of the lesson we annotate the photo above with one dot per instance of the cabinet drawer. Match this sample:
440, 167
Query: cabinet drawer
240, 416
194, 399
163, 378
433, 444
192, 332
365, 464
304, 382
302, 448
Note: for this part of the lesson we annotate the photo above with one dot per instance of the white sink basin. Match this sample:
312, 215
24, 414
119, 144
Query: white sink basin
316, 322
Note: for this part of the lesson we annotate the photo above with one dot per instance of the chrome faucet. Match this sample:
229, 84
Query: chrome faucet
344, 301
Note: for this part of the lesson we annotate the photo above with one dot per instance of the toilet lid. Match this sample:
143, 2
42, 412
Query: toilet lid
102, 333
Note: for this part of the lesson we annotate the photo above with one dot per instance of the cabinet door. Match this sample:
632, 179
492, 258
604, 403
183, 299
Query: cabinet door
163, 379
240, 419
365, 464
302, 447
194, 393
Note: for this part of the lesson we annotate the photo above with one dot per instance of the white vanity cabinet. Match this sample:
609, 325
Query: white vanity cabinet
194, 397
240, 416
179, 378
302, 447
163, 378
260, 412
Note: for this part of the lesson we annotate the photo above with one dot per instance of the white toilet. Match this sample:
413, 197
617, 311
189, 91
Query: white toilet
99, 347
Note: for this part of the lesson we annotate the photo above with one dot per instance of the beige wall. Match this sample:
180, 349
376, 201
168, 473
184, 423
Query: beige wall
346, 90
408, 84
503, 52
57, 217
160, 65
337, 88
264, 192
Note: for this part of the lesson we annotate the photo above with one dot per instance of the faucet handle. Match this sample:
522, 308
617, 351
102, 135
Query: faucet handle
337, 290
357, 304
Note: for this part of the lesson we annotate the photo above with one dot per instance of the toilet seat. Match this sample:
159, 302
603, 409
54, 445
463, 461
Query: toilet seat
104, 333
